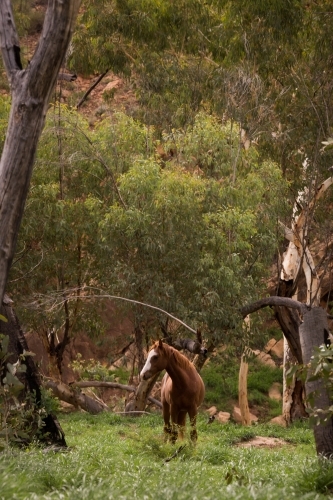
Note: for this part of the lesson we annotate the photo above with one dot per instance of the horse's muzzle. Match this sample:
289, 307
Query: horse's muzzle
146, 375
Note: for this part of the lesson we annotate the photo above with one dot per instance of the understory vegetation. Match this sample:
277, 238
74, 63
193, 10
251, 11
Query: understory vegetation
221, 381
118, 457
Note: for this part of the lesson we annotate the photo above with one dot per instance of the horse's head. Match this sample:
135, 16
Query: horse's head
156, 361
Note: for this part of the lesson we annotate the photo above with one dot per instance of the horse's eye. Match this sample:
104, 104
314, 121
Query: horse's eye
154, 357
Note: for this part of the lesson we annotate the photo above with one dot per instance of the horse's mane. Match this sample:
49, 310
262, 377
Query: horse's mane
180, 358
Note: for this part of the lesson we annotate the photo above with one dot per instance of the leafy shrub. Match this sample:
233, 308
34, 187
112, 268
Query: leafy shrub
91, 370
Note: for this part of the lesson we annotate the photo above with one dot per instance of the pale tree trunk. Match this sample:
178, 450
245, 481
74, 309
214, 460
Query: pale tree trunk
242, 392
31, 89
242, 382
139, 402
293, 401
296, 258
313, 333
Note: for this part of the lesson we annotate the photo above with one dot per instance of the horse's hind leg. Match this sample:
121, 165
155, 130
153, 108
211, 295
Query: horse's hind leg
166, 417
193, 419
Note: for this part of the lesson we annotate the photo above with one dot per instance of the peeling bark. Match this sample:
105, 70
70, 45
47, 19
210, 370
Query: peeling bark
242, 392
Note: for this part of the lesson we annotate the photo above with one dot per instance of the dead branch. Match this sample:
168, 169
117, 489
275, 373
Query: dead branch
112, 385
271, 302
91, 89
68, 77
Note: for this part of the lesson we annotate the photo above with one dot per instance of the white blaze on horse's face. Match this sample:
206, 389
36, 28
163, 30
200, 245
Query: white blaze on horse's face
148, 364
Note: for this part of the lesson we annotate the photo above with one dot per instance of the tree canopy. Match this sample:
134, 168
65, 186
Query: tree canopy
176, 203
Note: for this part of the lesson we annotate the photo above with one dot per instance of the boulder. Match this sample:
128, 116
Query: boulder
264, 358
275, 391
212, 411
278, 349
223, 417
236, 415
275, 347
280, 420
271, 343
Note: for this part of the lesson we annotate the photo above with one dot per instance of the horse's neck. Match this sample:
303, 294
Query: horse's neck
174, 368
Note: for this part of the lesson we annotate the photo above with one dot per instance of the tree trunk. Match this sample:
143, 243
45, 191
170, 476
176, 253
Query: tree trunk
313, 333
51, 431
242, 392
139, 402
31, 89
293, 400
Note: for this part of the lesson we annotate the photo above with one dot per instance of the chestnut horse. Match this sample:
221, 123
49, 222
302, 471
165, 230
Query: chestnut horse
182, 388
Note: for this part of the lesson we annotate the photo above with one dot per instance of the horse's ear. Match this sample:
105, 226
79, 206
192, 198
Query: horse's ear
160, 344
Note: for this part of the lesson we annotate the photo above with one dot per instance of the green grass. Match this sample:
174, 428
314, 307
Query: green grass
117, 457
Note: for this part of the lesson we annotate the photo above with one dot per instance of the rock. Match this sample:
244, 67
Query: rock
212, 411
275, 391
236, 415
278, 349
280, 420
223, 417
275, 347
264, 358
271, 343
263, 442
112, 85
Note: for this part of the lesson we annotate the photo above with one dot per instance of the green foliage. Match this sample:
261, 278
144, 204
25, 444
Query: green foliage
320, 368
91, 370
261, 377
193, 235
74, 182
266, 65
194, 245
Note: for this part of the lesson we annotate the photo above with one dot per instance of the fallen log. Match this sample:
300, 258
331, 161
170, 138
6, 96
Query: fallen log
75, 397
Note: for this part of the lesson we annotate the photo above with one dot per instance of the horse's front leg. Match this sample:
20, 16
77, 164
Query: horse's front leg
181, 423
166, 418
174, 423
193, 419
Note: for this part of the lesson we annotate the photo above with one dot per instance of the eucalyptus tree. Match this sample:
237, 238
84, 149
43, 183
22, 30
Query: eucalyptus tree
195, 245
31, 89
264, 65
59, 252
193, 235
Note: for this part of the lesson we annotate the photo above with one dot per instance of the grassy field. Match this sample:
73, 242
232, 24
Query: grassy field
117, 457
